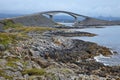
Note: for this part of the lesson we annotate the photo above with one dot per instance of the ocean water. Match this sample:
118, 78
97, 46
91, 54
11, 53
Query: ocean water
67, 24
109, 36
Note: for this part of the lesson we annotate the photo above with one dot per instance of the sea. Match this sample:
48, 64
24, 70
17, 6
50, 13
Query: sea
108, 36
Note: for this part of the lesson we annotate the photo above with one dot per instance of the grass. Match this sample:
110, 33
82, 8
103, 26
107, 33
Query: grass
52, 76
16, 32
10, 24
6, 38
11, 62
2, 74
65, 70
33, 29
34, 71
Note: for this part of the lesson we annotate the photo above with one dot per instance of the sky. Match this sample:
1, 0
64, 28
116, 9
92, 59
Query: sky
84, 7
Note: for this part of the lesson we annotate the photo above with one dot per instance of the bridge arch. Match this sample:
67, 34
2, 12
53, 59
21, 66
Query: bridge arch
52, 13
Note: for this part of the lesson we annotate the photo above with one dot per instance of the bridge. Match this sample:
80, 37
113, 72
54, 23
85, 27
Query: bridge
52, 13
88, 21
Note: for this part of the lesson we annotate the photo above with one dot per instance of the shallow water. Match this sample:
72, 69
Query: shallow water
108, 36
67, 24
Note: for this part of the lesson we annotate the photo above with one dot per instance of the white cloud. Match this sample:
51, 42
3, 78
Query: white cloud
85, 7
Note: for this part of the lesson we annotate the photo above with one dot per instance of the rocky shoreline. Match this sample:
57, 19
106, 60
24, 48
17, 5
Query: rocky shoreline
68, 33
53, 56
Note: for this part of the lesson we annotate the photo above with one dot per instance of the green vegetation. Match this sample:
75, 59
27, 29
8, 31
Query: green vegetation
33, 29
34, 71
52, 76
65, 70
16, 32
2, 74
10, 24
6, 38
19, 27
14, 59
12, 64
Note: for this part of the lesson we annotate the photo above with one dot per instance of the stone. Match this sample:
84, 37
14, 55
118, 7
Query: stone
19, 64
2, 47
3, 63
35, 65
33, 53
26, 77
42, 62
1, 27
2, 78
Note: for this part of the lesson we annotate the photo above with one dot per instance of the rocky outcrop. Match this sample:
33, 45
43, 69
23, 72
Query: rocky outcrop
71, 33
32, 20
96, 22
50, 57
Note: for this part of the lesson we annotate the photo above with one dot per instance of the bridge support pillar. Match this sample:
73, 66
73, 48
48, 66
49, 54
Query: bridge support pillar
51, 17
76, 20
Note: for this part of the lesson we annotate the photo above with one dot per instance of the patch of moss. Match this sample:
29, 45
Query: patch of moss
52, 76
11, 64
6, 38
15, 59
33, 29
34, 71
20, 28
2, 74
10, 24
25, 63
65, 70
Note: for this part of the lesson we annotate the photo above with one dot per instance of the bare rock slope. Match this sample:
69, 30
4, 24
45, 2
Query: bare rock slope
30, 20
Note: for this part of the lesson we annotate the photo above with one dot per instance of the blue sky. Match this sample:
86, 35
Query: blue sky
85, 7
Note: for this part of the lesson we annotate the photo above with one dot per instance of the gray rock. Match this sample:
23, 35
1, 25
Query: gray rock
18, 74
3, 63
35, 54
35, 65
2, 47
1, 27
19, 64
26, 76
2, 78
95, 22
34, 20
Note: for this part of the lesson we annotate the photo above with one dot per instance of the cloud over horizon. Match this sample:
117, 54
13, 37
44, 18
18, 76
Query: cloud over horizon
85, 7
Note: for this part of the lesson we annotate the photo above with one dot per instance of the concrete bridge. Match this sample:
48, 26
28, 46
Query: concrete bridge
88, 21
51, 14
